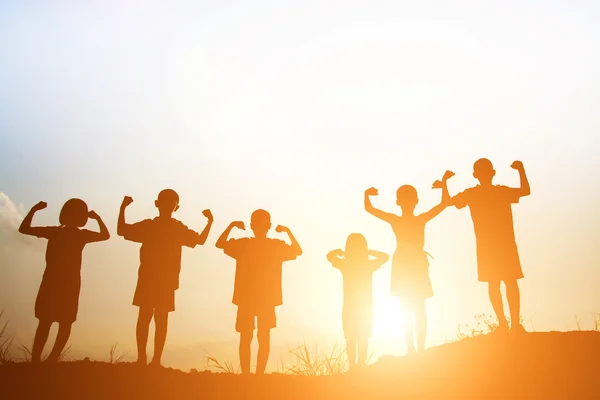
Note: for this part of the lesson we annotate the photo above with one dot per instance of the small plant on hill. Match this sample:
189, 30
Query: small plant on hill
226, 367
6, 341
113, 358
309, 363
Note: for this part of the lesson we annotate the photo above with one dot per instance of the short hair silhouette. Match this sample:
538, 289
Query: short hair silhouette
483, 169
168, 195
407, 194
74, 213
260, 222
356, 246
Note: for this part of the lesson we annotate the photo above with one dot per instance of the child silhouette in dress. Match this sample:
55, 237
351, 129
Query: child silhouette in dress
357, 264
410, 266
58, 296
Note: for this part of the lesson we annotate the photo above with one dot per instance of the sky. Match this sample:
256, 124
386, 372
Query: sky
298, 107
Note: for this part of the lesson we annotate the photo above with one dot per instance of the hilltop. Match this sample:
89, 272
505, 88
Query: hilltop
536, 365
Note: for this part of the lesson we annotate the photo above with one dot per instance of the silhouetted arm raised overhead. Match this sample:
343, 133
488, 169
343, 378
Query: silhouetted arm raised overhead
524, 190
379, 258
385, 216
121, 224
296, 249
335, 257
26, 227
97, 236
206, 231
445, 202
222, 240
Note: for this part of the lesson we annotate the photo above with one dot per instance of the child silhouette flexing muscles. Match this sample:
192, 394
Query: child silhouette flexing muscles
257, 287
58, 297
160, 263
497, 253
410, 266
357, 269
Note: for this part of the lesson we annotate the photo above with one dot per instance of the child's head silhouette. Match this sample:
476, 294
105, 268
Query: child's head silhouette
74, 213
483, 171
260, 222
356, 247
406, 197
167, 202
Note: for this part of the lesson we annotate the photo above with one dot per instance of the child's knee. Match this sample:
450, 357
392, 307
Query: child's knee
264, 335
246, 337
494, 286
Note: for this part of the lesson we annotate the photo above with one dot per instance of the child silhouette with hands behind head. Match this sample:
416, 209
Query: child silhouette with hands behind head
58, 296
357, 264
497, 254
410, 266
160, 264
257, 287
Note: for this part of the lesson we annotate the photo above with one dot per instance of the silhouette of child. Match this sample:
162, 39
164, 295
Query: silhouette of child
410, 266
257, 288
357, 313
58, 296
160, 263
497, 253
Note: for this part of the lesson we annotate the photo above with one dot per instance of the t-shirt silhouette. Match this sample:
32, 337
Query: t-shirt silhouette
491, 212
160, 254
258, 271
58, 297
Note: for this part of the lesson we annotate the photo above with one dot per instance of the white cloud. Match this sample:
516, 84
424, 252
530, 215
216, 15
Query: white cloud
11, 216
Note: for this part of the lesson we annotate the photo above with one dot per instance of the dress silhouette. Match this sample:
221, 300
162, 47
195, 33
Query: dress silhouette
357, 264
410, 267
58, 296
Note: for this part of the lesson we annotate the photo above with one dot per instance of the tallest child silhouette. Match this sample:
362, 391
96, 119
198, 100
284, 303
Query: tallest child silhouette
497, 254
160, 264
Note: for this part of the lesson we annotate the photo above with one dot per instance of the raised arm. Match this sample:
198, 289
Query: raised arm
379, 258
524, 190
26, 227
295, 245
206, 231
335, 257
222, 240
445, 202
121, 224
385, 216
98, 236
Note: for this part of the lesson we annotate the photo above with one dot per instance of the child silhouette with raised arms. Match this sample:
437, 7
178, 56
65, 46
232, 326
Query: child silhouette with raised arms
410, 266
257, 287
58, 296
357, 269
160, 264
497, 254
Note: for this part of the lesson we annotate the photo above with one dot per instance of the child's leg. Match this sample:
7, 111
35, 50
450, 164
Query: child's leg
363, 348
407, 309
421, 323
64, 331
161, 322
244, 350
264, 348
496, 300
514, 301
141, 333
351, 352
39, 341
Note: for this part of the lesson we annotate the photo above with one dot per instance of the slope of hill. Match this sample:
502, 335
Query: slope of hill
561, 365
